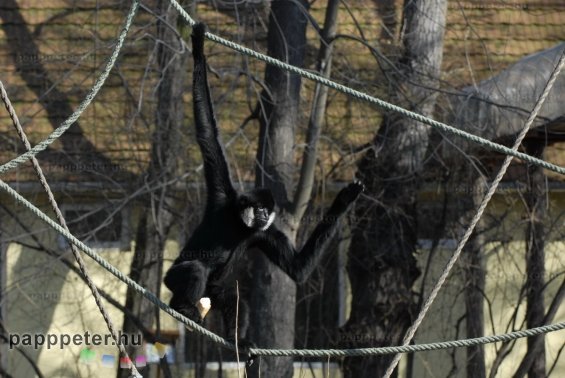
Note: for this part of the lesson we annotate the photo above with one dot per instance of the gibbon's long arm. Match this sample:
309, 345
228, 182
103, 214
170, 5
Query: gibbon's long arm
299, 266
216, 169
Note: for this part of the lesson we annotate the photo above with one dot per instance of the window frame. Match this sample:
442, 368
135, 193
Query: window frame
124, 242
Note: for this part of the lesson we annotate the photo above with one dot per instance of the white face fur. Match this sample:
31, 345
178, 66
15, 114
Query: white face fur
269, 222
248, 217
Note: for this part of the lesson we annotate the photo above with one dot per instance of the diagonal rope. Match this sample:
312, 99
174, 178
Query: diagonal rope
274, 352
112, 269
84, 104
14, 163
278, 352
492, 189
373, 100
62, 222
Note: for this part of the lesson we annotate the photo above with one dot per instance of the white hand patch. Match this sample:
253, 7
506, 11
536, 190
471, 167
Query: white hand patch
248, 216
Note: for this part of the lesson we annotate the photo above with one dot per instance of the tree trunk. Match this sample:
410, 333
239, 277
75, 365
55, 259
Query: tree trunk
273, 295
474, 283
536, 202
317, 114
156, 218
3, 280
381, 265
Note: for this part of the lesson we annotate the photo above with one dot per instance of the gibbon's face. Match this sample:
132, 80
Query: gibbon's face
257, 209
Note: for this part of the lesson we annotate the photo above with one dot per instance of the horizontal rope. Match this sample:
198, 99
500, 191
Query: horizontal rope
373, 100
197, 328
272, 352
360, 352
83, 105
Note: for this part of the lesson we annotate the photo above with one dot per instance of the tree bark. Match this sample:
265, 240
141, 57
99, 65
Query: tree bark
474, 283
387, 12
536, 202
317, 114
381, 265
273, 295
157, 217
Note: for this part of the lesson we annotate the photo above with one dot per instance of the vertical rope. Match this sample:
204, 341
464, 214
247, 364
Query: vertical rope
62, 222
492, 189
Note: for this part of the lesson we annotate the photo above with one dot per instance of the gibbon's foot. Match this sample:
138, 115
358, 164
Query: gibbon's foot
181, 305
250, 360
243, 347
191, 312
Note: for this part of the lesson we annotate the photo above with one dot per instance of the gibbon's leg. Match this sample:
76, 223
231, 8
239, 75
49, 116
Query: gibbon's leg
187, 280
226, 300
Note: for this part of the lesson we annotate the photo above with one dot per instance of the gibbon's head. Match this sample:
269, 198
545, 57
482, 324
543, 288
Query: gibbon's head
257, 208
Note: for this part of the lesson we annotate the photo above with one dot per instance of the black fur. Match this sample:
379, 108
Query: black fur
204, 264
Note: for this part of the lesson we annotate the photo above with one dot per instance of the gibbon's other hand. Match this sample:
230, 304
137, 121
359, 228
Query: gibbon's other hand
350, 193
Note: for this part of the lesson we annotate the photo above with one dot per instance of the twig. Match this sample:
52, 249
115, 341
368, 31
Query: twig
236, 322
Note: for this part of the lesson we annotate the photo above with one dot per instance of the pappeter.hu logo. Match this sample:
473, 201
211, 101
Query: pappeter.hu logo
61, 340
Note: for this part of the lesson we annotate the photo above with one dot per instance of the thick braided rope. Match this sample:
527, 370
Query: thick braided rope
112, 269
62, 222
373, 100
84, 104
492, 189
365, 352
274, 352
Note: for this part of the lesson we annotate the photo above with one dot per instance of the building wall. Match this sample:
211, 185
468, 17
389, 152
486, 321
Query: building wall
504, 278
42, 296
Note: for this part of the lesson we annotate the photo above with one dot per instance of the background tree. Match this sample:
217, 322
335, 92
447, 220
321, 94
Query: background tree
273, 294
144, 166
381, 263
157, 214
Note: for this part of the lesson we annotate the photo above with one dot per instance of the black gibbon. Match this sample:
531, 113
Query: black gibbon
234, 223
